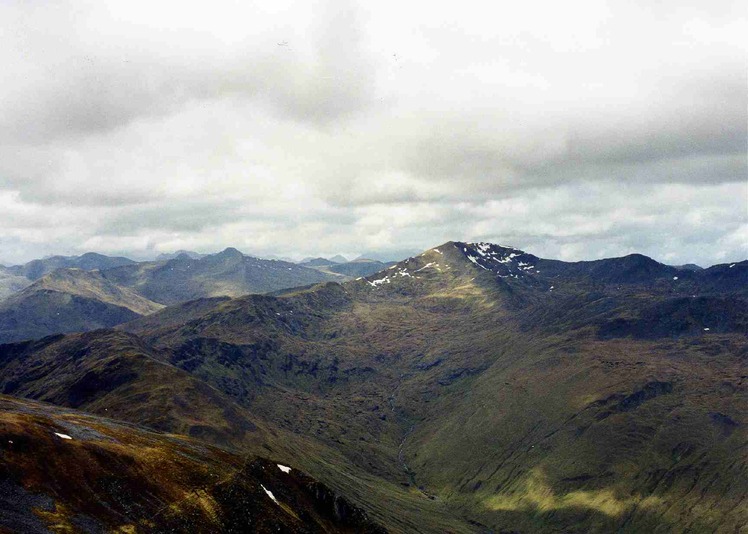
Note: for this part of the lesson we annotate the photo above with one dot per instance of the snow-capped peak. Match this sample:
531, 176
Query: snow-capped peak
501, 260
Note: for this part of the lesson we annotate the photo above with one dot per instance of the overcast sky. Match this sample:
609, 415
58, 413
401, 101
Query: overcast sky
572, 130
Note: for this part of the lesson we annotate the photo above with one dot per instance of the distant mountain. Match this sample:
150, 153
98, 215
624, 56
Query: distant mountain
35, 269
172, 255
228, 273
387, 257
316, 262
77, 300
689, 267
69, 300
360, 267
339, 258
273, 257
352, 269
11, 283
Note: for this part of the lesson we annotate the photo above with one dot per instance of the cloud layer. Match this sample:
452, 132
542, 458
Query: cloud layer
572, 131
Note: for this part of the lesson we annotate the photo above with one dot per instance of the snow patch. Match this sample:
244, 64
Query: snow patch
63, 436
475, 261
270, 494
733, 265
430, 264
284, 468
402, 272
675, 277
375, 283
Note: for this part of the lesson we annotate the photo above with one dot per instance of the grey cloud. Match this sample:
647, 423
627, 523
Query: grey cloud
66, 88
687, 141
360, 127
192, 216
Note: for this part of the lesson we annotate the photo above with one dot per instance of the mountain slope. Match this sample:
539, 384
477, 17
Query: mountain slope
115, 374
91, 284
64, 471
498, 390
449, 357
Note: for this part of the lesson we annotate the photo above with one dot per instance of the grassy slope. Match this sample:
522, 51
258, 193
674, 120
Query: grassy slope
92, 285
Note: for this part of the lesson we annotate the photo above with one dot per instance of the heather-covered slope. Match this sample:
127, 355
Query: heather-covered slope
115, 374
64, 471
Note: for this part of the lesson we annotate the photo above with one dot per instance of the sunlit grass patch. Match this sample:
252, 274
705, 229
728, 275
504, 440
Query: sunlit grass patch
535, 494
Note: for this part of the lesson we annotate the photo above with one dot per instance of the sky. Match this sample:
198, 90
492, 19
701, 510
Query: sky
572, 130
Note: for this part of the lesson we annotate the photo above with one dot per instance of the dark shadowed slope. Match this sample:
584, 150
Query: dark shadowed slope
117, 375
63, 471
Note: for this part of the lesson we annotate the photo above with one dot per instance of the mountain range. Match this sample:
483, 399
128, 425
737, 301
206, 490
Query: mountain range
471, 388
70, 294
43, 297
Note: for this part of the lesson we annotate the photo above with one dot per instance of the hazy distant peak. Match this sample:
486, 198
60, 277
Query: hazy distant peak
173, 255
317, 262
689, 267
91, 255
230, 252
89, 261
